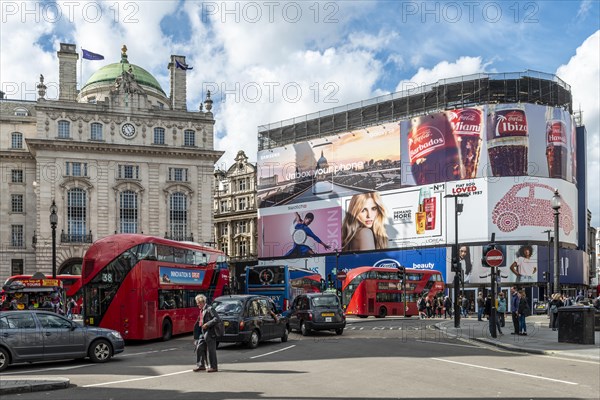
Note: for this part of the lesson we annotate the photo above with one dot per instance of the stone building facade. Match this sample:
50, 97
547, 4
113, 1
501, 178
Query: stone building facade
235, 215
116, 156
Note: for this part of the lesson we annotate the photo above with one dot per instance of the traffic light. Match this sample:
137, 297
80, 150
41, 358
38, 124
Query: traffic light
401, 271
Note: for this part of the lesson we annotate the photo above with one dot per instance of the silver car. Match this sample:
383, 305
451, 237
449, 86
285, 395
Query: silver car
31, 335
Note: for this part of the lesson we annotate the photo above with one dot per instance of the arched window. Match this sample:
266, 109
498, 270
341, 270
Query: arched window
76, 215
16, 140
64, 129
178, 216
189, 138
128, 211
159, 135
96, 131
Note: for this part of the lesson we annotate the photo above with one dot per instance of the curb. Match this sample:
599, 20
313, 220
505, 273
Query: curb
11, 386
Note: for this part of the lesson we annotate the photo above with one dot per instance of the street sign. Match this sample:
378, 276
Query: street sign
494, 258
341, 275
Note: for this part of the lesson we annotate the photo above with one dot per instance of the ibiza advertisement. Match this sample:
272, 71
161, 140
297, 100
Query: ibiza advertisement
340, 165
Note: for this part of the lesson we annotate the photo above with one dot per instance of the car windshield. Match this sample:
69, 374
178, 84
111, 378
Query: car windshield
325, 301
228, 306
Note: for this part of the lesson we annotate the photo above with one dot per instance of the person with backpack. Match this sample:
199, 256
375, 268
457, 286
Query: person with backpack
205, 334
70, 307
553, 307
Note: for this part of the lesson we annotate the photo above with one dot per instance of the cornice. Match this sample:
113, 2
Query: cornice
51, 145
16, 155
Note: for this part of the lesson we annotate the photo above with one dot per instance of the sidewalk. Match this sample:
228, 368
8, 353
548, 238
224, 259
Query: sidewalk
540, 338
23, 384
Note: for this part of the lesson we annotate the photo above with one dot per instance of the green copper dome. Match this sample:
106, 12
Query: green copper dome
107, 75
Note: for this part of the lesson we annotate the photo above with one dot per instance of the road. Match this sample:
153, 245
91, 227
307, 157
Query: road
373, 359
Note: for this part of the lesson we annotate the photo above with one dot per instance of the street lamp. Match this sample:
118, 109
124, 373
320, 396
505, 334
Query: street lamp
547, 275
53, 222
556, 204
456, 267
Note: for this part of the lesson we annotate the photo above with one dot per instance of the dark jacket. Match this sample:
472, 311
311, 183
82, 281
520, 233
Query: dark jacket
210, 319
514, 303
557, 303
523, 306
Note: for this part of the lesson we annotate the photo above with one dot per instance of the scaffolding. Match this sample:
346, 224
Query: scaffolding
446, 94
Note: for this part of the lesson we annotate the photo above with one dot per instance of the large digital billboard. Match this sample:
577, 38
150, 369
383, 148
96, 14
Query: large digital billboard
390, 186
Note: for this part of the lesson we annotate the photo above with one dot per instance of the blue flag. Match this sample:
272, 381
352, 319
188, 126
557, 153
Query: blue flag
182, 66
88, 55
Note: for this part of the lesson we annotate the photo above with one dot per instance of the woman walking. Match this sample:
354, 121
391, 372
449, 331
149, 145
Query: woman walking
554, 305
524, 311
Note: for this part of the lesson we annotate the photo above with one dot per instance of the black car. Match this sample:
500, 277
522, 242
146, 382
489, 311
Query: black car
318, 312
250, 319
31, 335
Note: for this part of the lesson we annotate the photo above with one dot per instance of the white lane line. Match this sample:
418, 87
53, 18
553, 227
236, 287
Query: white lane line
29, 371
554, 357
273, 352
138, 379
137, 354
506, 372
447, 344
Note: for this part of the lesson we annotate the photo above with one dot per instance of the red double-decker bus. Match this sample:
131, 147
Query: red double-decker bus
378, 291
145, 286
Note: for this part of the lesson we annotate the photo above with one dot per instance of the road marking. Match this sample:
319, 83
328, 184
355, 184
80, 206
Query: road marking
447, 344
48, 369
138, 379
137, 354
567, 359
273, 352
506, 372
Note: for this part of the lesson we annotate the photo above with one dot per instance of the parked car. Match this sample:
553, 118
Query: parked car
530, 204
250, 319
32, 335
540, 308
316, 312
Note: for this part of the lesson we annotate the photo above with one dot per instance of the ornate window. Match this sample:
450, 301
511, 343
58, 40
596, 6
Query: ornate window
21, 112
242, 184
242, 227
128, 211
76, 215
159, 135
189, 138
16, 203
178, 174
242, 204
242, 248
16, 176
64, 129
16, 236
75, 169
128, 171
96, 131
178, 215
16, 140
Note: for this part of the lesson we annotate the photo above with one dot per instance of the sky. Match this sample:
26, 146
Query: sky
269, 61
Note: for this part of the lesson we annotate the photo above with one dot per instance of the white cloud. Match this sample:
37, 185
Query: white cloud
582, 72
584, 8
443, 70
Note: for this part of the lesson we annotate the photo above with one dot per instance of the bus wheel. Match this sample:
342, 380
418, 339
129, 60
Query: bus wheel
254, 339
167, 330
100, 351
304, 330
382, 312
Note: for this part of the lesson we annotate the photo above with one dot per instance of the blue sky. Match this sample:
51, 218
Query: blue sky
282, 59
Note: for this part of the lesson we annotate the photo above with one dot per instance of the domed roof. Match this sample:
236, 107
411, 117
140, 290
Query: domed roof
107, 75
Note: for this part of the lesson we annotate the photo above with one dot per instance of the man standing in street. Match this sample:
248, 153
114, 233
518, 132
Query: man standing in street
514, 309
204, 332
480, 306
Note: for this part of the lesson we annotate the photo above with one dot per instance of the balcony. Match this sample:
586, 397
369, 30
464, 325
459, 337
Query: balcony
75, 237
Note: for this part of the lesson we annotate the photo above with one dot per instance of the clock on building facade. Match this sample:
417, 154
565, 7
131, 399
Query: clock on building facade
128, 130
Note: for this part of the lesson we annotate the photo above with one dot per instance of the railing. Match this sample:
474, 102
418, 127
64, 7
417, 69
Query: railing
76, 237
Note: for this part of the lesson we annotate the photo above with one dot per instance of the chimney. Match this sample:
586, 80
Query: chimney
178, 94
67, 72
